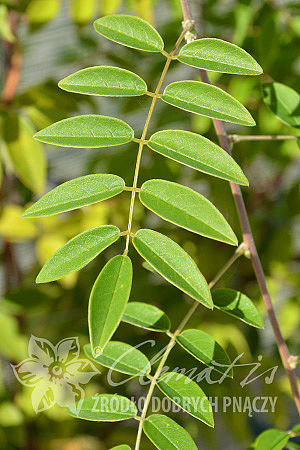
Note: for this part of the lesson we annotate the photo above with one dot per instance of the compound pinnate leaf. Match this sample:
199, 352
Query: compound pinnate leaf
272, 440
220, 56
206, 100
104, 80
284, 102
173, 263
122, 358
78, 252
238, 305
104, 408
197, 152
76, 193
146, 316
206, 349
167, 434
87, 131
188, 395
184, 207
131, 31
108, 300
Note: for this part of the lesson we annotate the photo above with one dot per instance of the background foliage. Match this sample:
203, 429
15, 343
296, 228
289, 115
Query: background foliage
51, 39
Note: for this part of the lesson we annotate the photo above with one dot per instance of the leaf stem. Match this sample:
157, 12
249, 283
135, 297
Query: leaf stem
249, 241
143, 137
171, 343
276, 137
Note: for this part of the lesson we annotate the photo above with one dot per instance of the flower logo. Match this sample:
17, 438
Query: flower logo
54, 372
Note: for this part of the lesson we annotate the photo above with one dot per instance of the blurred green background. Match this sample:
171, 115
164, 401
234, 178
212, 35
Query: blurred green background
45, 40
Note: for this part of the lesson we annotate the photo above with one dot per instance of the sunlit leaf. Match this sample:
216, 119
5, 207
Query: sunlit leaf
167, 434
283, 101
173, 263
131, 31
104, 408
76, 193
220, 56
41, 11
206, 349
82, 11
5, 26
13, 228
122, 358
87, 131
206, 100
104, 80
188, 395
197, 152
184, 207
109, 6
121, 447
78, 252
146, 316
108, 300
271, 440
238, 305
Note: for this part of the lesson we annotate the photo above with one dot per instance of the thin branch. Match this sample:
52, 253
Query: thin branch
239, 251
249, 241
276, 137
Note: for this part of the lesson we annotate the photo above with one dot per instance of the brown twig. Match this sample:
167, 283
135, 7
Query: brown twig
249, 241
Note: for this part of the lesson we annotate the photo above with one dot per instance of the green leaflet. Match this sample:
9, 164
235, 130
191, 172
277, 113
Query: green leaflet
220, 56
27, 157
78, 252
197, 152
189, 209
206, 100
206, 349
238, 305
167, 434
87, 131
146, 316
108, 300
104, 408
104, 80
272, 440
122, 357
121, 447
131, 31
188, 395
173, 263
284, 102
76, 193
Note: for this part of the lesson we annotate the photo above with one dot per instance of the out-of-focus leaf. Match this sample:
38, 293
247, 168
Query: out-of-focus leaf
173, 263
220, 56
206, 100
41, 11
238, 305
87, 131
104, 408
122, 358
5, 28
10, 415
108, 300
206, 349
109, 6
197, 152
104, 80
131, 31
13, 228
146, 316
27, 156
76, 193
284, 102
187, 208
78, 252
82, 11
188, 395
13, 345
167, 434
271, 440
143, 9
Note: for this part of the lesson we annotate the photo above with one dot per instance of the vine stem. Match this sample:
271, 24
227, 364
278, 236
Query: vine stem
276, 137
143, 137
239, 252
249, 241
